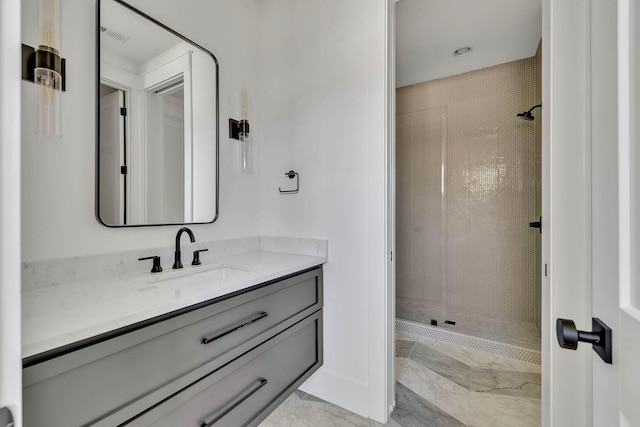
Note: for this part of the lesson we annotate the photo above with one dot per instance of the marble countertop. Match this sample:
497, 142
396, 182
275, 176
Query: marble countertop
64, 313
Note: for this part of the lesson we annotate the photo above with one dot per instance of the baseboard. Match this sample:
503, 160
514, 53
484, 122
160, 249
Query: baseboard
339, 390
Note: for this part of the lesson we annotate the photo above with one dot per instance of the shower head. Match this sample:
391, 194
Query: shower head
527, 114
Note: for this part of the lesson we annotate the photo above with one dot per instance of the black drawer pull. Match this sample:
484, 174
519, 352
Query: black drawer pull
230, 406
241, 324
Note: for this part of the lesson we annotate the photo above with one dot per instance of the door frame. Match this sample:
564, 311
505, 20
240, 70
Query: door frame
567, 202
10, 252
390, 142
381, 208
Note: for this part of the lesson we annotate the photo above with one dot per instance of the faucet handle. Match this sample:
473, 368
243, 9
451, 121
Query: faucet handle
196, 256
156, 263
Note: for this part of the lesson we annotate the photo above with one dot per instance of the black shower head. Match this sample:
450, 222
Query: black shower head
527, 114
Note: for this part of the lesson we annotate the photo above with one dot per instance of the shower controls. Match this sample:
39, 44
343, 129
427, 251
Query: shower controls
537, 224
600, 337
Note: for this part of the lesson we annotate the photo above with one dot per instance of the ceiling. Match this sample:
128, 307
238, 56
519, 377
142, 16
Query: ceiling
146, 39
429, 31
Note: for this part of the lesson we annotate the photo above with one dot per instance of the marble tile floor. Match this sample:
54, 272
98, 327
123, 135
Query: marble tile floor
438, 385
466, 387
304, 410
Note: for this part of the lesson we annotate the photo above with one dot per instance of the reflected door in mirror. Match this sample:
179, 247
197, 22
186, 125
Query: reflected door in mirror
112, 149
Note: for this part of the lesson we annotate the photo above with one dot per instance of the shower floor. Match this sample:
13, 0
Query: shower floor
522, 334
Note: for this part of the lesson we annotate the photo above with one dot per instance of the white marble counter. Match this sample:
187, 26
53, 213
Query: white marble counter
59, 314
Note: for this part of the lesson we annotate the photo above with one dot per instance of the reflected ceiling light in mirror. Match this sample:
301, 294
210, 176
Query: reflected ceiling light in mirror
48, 70
239, 129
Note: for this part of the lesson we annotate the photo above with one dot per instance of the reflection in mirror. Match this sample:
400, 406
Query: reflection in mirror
158, 123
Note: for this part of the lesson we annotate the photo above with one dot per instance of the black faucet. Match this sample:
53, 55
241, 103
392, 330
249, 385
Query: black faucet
178, 263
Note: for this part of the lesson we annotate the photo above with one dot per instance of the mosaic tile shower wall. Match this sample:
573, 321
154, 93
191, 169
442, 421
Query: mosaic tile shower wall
466, 192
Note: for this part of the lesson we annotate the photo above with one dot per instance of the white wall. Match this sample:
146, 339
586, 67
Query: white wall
322, 104
58, 187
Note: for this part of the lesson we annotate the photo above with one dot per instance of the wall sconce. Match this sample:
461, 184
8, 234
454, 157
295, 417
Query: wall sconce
44, 66
239, 129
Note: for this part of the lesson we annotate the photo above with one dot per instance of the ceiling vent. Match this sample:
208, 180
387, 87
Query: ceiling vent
114, 34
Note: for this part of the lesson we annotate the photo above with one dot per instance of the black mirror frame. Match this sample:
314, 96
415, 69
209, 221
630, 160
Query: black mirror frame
97, 129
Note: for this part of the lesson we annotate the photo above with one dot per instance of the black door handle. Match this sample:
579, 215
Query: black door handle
6, 420
537, 224
569, 336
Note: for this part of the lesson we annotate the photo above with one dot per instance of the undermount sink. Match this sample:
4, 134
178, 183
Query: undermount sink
194, 275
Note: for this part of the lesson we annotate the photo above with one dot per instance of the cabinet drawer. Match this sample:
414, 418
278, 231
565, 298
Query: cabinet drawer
244, 392
157, 361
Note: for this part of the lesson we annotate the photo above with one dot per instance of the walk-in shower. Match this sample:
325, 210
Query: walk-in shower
468, 185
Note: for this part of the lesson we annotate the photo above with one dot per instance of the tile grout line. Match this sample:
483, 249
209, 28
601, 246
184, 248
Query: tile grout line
411, 351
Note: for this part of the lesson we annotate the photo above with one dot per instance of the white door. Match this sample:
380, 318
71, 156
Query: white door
591, 178
10, 86
112, 182
629, 161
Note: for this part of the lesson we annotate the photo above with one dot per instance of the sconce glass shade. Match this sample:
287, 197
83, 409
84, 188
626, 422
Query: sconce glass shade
47, 75
245, 152
245, 146
48, 93
49, 22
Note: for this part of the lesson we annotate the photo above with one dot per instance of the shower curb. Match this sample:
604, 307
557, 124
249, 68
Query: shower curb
488, 346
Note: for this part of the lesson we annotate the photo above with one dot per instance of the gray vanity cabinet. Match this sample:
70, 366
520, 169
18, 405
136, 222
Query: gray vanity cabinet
238, 394
197, 362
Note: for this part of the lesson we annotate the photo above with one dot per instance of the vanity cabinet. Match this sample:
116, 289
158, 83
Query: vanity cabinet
229, 361
238, 394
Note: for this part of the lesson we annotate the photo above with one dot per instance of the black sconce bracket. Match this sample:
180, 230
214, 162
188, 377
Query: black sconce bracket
236, 127
44, 59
